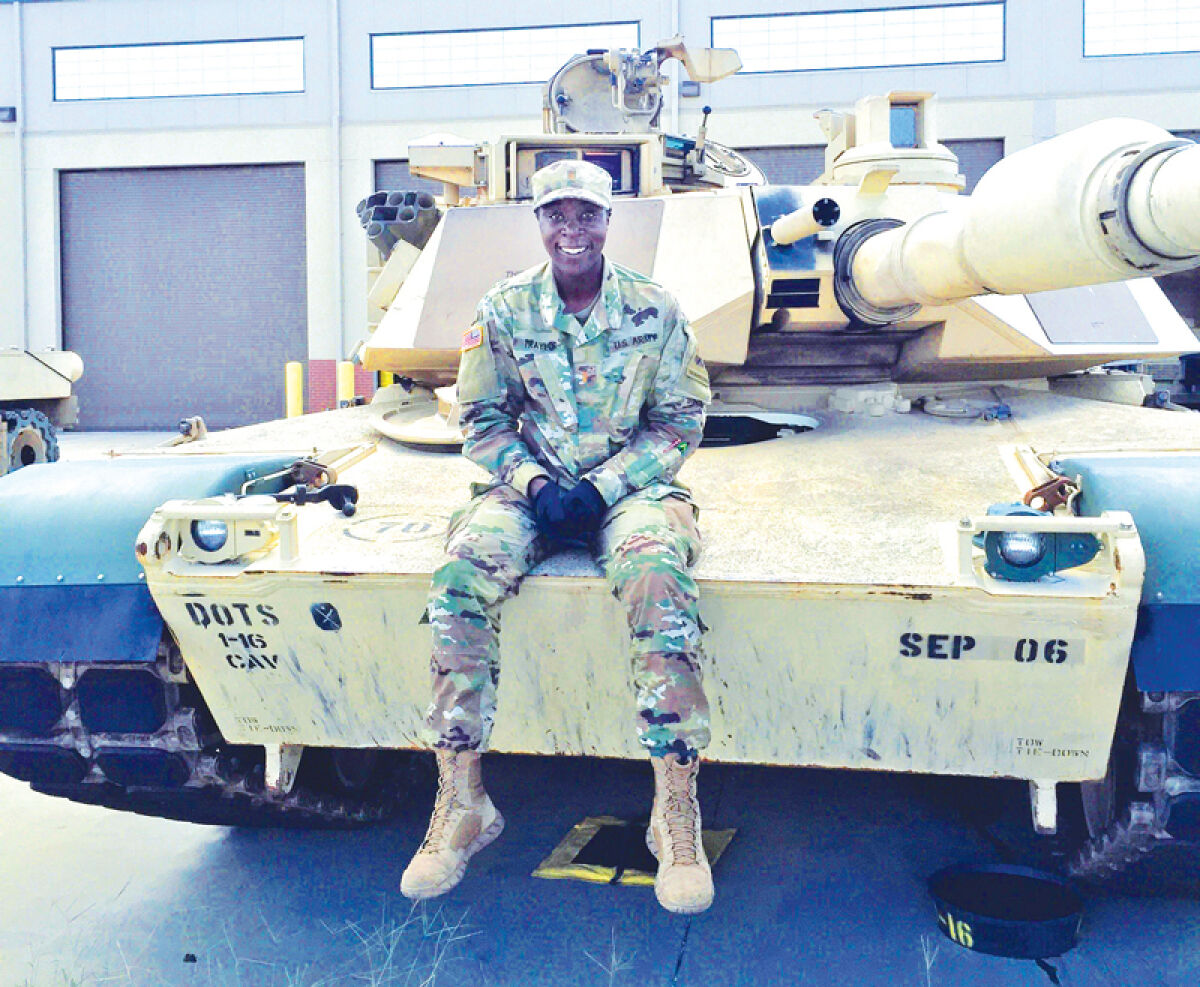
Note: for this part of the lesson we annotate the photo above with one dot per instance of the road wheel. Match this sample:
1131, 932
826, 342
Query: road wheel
345, 771
31, 439
1106, 825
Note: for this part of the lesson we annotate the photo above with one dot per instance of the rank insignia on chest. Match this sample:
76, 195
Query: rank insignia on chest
472, 338
586, 374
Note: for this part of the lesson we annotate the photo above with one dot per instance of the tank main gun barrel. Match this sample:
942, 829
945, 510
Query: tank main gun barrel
1114, 200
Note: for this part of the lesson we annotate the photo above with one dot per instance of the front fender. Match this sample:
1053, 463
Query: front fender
1162, 492
71, 588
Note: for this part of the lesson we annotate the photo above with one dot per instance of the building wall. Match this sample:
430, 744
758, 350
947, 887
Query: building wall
339, 127
12, 250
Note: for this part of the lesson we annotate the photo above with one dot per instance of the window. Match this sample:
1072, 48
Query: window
200, 68
903, 125
1140, 27
865, 38
487, 57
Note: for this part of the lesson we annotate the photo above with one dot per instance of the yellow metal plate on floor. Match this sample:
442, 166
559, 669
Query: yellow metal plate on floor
565, 863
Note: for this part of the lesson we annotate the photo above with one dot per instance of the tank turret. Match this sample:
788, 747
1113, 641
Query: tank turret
880, 271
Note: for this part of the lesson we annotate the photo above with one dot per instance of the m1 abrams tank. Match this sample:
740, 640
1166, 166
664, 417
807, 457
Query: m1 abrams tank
35, 401
956, 550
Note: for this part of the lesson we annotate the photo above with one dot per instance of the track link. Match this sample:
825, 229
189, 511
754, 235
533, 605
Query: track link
240, 799
184, 769
31, 438
1127, 840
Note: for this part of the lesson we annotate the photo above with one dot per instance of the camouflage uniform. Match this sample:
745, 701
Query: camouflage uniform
619, 401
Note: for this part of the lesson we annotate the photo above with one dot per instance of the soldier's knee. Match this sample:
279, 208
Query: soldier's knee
646, 566
460, 580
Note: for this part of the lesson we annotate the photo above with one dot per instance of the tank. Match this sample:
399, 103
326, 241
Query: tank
35, 401
938, 539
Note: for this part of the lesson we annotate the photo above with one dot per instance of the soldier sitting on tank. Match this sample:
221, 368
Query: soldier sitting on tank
582, 393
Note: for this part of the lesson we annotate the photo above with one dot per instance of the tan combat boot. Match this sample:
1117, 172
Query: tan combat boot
684, 881
464, 821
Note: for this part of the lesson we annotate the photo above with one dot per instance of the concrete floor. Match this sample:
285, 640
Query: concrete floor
823, 884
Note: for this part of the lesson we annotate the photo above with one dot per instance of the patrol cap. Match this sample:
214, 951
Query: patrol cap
571, 179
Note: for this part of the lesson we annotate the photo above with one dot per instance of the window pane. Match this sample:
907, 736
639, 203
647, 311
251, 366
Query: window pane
1139, 27
858, 39
903, 125
487, 57
206, 68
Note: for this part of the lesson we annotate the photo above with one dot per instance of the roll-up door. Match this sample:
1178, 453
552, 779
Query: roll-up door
975, 157
184, 290
794, 164
391, 176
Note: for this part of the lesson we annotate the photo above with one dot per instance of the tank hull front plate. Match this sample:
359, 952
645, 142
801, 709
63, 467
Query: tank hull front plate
838, 620
941, 680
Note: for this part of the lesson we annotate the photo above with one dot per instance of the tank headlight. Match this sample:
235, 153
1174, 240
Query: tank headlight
1026, 556
210, 536
216, 530
1022, 548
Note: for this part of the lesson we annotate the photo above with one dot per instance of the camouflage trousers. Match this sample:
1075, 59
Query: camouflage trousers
645, 547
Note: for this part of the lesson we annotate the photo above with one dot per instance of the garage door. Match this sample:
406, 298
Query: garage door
795, 164
800, 164
393, 176
975, 157
184, 290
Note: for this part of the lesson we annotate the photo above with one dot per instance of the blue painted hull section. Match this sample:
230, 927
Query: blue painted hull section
69, 579
73, 522
1165, 647
1163, 495
79, 623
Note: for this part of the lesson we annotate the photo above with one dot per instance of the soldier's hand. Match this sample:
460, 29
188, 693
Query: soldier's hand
584, 507
548, 511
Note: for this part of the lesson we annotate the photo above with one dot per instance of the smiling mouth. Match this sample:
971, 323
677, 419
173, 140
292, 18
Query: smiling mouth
573, 251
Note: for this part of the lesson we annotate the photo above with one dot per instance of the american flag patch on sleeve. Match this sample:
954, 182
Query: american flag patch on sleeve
472, 338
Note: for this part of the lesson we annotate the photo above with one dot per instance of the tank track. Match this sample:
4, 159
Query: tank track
1125, 841
1156, 783
167, 757
32, 438
212, 798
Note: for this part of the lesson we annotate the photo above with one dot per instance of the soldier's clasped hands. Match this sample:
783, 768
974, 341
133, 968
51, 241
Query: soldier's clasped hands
568, 515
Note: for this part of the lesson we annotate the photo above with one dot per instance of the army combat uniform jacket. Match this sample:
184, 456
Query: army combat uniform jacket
618, 400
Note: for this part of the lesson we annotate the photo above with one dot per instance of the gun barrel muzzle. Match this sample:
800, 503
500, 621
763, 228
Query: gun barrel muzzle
1114, 200
1164, 201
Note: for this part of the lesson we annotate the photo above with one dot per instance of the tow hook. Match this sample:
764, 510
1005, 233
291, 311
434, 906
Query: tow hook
311, 473
340, 496
1051, 494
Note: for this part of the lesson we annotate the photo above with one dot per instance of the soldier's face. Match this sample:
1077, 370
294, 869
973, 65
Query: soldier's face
573, 233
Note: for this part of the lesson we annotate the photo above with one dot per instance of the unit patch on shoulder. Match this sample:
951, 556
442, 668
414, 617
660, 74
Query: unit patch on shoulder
472, 338
697, 371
